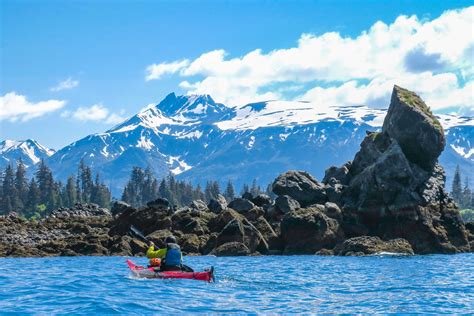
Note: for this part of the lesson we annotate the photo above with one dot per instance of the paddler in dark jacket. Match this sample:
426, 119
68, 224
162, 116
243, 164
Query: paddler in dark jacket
171, 256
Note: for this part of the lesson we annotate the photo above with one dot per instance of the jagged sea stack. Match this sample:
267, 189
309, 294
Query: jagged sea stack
410, 122
395, 185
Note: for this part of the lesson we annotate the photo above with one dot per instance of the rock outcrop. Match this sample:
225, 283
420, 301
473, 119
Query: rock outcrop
301, 186
368, 245
390, 198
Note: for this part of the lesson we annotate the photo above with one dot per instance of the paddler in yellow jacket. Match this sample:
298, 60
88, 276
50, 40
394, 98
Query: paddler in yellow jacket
171, 256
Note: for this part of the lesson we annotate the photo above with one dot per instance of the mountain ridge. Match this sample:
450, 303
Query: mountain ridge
198, 139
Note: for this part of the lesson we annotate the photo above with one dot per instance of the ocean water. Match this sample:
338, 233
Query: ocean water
273, 284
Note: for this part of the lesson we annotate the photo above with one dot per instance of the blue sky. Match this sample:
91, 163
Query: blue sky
78, 67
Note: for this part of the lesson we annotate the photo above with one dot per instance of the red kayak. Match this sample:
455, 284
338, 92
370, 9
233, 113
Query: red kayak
150, 273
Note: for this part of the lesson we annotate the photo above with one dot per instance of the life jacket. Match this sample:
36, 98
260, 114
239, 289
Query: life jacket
173, 255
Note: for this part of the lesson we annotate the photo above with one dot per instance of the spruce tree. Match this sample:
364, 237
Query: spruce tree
229, 192
86, 182
9, 192
46, 186
33, 199
71, 192
21, 185
466, 195
456, 191
208, 191
255, 189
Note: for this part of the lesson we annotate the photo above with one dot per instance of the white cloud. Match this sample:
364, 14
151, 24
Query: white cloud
156, 71
15, 107
434, 58
115, 118
67, 84
96, 113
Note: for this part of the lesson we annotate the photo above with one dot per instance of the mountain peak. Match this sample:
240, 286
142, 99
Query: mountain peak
191, 107
29, 151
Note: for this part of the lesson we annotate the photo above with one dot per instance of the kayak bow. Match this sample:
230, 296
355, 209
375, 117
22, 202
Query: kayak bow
150, 273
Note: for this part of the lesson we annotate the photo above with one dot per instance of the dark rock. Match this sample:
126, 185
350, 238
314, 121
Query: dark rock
159, 203
333, 211
340, 174
247, 196
254, 213
231, 249
307, 230
218, 223
373, 245
218, 204
262, 199
286, 204
138, 247
158, 237
410, 122
192, 222
334, 191
301, 186
190, 243
146, 220
245, 232
198, 205
241, 205
119, 207
325, 252
273, 239
80, 210
384, 182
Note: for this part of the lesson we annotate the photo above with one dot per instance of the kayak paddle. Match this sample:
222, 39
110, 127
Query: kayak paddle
138, 233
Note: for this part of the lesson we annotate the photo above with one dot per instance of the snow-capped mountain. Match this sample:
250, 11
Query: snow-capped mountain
29, 151
198, 139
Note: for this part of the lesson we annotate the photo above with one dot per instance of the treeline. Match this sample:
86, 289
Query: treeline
41, 194
144, 187
461, 193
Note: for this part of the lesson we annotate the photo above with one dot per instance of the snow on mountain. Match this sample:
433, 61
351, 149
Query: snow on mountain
29, 151
198, 139
286, 113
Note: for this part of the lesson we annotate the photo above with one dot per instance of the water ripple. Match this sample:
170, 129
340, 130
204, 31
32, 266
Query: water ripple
299, 284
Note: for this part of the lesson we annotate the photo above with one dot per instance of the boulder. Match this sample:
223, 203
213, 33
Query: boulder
307, 230
333, 211
241, 230
191, 221
217, 223
368, 245
285, 204
340, 174
262, 199
241, 205
410, 122
218, 204
158, 237
324, 252
147, 220
198, 205
383, 181
159, 203
231, 249
80, 210
119, 207
190, 243
301, 186
247, 196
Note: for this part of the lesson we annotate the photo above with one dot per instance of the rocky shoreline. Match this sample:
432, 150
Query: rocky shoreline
390, 198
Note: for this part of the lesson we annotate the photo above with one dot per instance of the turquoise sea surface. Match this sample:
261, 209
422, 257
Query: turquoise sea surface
267, 284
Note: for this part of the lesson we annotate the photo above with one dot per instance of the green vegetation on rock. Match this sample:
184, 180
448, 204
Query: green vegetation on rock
414, 100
